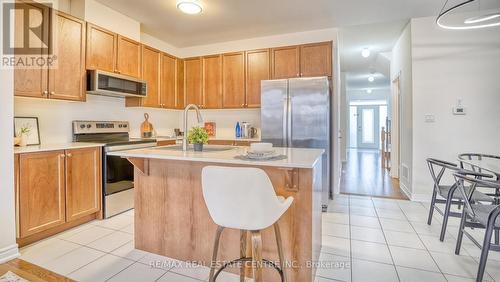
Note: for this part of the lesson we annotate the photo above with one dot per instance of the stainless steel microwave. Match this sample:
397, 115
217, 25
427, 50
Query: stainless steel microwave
115, 85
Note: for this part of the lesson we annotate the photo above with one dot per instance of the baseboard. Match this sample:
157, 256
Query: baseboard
405, 190
9, 253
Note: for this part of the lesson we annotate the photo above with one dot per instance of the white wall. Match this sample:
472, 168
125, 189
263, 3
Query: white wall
343, 119
8, 246
401, 65
361, 95
450, 65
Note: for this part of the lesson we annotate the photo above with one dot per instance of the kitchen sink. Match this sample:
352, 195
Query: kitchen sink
206, 148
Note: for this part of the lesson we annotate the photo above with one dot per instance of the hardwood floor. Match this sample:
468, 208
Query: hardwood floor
363, 175
31, 272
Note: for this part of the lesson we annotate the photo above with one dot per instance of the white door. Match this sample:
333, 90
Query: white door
368, 127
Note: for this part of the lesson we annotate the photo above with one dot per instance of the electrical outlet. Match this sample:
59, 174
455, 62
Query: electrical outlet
429, 118
459, 110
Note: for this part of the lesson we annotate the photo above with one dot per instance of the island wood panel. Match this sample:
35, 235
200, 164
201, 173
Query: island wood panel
31, 82
212, 82
168, 81
83, 182
101, 48
41, 191
128, 57
171, 217
316, 59
285, 62
258, 68
233, 80
151, 74
67, 80
192, 81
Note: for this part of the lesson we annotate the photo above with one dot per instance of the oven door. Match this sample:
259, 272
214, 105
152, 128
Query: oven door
119, 175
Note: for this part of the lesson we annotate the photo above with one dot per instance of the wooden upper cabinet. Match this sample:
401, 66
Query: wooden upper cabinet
180, 99
192, 81
83, 182
128, 57
258, 68
41, 192
316, 59
31, 82
233, 80
285, 62
67, 80
212, 82
101, 48
168, 81
151, 74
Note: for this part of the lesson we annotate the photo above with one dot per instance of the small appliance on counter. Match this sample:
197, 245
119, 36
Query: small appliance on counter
146, 127
247, 131
117, 172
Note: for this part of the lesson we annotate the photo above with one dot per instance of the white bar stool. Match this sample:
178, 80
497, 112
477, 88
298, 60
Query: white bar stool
244, 198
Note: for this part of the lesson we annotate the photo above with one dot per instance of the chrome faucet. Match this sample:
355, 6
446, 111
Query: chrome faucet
200, 119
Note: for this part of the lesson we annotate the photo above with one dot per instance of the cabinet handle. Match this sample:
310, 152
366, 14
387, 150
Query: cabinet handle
242, 105
301, 74
62, 156
52, 93
69, 155
45, 93
298, 74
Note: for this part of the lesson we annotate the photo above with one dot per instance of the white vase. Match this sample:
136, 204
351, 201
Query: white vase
24, 140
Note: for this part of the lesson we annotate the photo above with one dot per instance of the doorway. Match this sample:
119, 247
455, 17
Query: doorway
368, 128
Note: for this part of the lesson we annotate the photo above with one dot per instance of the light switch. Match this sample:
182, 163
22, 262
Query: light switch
429, 118
459, 110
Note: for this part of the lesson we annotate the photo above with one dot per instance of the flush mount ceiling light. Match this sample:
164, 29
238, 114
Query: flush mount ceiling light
449, 18
191, 7
369, 91
365, 53
371, 78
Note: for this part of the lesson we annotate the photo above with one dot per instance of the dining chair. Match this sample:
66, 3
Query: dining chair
477, 215
448, 194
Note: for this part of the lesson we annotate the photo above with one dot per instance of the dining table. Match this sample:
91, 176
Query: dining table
491, 165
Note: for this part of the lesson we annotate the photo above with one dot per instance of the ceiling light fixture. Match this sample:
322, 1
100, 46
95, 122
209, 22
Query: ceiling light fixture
191, 7
476, 22
371, 78
365, 53
369, 91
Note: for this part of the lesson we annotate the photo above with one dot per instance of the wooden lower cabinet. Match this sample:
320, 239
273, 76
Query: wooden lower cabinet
56, 190
83, 182
41, 192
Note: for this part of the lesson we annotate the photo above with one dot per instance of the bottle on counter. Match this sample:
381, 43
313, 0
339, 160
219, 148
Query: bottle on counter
238, 130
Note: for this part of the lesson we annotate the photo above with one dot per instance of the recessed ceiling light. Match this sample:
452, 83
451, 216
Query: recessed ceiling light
365, 53
371, 78
191, 7
369, 91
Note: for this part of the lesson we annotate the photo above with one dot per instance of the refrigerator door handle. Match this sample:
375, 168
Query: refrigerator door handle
285, 121
289, 121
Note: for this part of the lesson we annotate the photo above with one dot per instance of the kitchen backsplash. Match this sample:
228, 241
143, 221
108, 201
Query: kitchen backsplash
55, 117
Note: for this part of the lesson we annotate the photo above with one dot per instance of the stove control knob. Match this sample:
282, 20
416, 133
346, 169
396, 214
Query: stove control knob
88, 125
125, 126
82, 126
120, 126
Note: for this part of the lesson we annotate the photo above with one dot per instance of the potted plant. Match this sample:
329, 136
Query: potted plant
198, 136
23, 136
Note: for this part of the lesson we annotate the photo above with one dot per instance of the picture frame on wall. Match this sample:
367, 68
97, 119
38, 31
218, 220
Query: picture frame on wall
31, 123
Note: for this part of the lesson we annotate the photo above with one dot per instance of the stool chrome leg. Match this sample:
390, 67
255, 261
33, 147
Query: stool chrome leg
213, 265
243, 253
257, 255
277, 233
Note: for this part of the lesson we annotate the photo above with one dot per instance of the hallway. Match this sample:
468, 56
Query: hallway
363, 174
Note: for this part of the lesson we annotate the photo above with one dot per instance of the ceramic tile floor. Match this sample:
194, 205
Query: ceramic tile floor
364, 239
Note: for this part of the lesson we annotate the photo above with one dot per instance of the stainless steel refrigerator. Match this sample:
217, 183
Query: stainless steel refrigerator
296, 113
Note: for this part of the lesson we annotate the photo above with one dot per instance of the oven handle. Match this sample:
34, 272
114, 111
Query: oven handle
128, 147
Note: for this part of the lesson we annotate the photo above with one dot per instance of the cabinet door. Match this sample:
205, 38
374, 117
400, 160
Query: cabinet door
83, 182
180, 95
285, 62
151, 74
128, 57
31, 82
316, 59
67, 81
233, 80
192, 81
41, 191
16, 190
101, 48
168, 81
258, 68
212, 82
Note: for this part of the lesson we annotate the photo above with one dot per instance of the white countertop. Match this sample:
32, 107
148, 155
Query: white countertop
55, 147
296, 157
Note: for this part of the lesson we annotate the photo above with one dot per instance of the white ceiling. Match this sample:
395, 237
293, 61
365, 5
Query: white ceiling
226, 20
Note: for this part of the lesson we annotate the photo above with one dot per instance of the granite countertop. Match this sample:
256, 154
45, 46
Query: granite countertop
55, 147
294, 157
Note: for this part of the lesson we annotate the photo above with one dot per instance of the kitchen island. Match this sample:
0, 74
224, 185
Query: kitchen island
171, 218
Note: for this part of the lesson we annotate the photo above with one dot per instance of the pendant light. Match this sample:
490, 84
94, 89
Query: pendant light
447, 19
